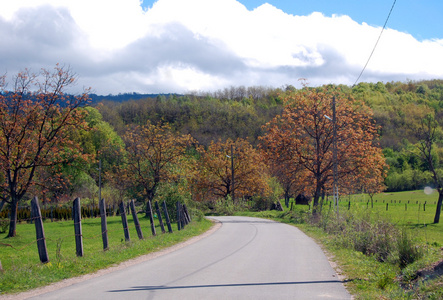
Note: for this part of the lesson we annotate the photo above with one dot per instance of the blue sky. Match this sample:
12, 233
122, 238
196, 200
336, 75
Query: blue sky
165, 46
421, 18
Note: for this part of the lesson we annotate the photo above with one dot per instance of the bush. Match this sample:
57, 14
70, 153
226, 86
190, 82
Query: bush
407, 251
4, 225
172, 193
372, 236
262, 203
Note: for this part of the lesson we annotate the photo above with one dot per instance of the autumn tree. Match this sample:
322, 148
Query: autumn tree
369, 179
222, 162
37, 119
292, 177
304, 134
152, 151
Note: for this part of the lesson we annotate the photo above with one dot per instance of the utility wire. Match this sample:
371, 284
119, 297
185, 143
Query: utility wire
375, 46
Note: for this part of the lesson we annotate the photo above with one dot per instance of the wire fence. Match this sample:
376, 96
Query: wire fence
34, 215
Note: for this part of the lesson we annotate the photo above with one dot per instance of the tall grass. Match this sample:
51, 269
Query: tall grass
370, 234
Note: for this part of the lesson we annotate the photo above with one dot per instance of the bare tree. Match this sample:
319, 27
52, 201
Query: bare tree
427, 134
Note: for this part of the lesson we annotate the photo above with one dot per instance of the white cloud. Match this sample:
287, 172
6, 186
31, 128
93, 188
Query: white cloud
178, 45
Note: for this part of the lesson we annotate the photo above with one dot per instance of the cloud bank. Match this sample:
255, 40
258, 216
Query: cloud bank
116, 46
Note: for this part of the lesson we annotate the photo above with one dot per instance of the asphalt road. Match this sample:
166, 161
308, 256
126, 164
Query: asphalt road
247, 258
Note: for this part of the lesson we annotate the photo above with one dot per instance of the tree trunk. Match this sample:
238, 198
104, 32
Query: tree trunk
13, 206
1, 204
317, 195
287, 197
439, 204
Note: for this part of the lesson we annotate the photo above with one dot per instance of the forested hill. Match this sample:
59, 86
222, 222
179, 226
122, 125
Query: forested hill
231, 113
240, 112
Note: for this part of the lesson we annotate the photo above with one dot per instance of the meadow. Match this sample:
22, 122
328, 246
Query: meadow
413, 210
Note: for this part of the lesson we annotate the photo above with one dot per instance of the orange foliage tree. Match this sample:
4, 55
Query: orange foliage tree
303, 135
152, 151
36, 124
215, 168
292, 177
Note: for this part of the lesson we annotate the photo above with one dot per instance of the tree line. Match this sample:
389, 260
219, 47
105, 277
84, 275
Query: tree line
243, 143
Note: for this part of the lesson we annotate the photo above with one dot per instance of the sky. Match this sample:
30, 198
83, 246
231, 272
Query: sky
181, 46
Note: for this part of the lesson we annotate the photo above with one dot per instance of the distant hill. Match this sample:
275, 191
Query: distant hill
124, 97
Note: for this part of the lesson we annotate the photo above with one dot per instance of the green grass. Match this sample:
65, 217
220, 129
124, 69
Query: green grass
22, 267
413, 210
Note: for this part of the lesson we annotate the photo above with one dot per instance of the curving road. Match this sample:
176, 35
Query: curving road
247, 258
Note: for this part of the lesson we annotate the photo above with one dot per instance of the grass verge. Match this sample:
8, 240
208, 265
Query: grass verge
23, 271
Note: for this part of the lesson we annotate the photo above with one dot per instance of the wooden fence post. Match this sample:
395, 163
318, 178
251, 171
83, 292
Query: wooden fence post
178, 216
168, 221
124, 221
157, 208
76, 214
102, 206
151, 217
182, 217
39, 231
136, 221
188, 217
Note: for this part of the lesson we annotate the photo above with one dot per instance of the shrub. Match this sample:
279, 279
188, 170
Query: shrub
407, 251
4, 225
172, 193
370, 235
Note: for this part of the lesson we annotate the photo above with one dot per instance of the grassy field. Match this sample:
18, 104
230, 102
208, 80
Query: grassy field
22, 269
414, 210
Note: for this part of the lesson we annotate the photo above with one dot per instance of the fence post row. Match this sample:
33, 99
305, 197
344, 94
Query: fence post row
76, 215
102, 207
151, 217
39, 231
124, 221
136, 221
157, 208
168, 221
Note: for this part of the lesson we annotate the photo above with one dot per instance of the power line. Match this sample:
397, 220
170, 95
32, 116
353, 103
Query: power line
375, 46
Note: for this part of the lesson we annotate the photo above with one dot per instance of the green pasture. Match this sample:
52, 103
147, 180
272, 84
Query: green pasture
413, 210
22, 269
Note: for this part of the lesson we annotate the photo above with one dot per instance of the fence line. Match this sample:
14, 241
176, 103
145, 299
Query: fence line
76, 213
